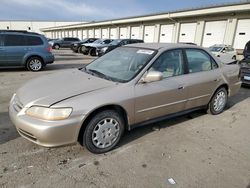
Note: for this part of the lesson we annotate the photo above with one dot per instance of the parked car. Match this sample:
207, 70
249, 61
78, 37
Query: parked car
245, 72
225, 53
51, 39
90, 49
101, 50
63, 43
128, 87
76, 46
246, 52
24, 49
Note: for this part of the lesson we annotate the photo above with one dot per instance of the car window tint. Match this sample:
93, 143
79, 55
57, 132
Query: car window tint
33, 41
169, 63
199, 61
14, 40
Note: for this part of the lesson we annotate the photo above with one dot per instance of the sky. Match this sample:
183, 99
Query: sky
93, 10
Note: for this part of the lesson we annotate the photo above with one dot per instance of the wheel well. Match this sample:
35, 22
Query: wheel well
221, 86
33, 57
225, 86
116, 108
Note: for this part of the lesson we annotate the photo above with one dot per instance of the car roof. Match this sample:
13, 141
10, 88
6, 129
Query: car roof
162, 46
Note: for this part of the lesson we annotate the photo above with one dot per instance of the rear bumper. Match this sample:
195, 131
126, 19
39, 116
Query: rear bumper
49, 59
235, 88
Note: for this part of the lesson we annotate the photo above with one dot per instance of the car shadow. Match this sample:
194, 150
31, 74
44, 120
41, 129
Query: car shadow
138, 132
7, 129
243, 94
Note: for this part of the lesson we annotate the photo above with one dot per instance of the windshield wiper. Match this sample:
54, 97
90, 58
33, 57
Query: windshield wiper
99, 74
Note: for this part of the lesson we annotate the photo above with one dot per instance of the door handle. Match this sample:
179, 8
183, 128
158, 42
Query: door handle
217, 79
181, 87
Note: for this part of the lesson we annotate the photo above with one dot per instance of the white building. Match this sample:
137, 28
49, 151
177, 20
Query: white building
33, 26
223, 24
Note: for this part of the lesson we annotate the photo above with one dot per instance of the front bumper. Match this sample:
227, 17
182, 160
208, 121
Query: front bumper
43, 132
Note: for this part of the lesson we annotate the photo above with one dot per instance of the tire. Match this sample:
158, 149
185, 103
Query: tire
34, 64
103, 131
79, 50
218, 102
57, 46
92, 52
83, 49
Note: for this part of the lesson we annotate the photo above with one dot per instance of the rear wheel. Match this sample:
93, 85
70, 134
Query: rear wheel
34, 64
103, 132
92, 52
57, 46
218, 102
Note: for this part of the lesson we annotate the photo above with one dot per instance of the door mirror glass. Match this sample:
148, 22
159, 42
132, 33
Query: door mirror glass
152, 76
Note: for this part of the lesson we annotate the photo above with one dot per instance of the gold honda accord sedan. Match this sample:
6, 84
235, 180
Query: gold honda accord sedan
131, 86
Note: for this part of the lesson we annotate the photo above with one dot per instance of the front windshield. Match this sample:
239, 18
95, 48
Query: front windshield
215, 49
115, 42
98, 41
121, 64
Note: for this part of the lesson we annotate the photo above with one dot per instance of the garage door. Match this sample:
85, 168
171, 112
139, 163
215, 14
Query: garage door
149, 33
135, 33
242, 35
91, 33
187, 32
113, 33
79, 34
214, 33
70, 33
166, 33
84, 34
97, 33
105, 33
123, 32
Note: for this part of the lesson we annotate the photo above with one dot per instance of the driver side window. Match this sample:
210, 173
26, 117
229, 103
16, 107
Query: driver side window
170, 64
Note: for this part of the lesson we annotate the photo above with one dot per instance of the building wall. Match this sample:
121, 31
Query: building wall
203, 29
33, 26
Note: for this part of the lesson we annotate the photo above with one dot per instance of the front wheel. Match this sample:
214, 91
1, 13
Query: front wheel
103, 132
34, 64
218, 102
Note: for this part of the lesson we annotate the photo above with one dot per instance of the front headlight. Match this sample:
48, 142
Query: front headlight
49, 113
104, 49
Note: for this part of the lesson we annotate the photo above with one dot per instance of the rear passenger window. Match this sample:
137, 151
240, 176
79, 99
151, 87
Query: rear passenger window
33, 41
169, 63
14, 40
199, 61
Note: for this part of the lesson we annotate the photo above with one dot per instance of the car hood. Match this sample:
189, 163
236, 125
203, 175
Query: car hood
51, 89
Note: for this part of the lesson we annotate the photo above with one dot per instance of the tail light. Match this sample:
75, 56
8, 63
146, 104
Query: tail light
49, 49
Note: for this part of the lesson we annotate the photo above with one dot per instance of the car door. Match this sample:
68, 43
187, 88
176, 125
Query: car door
167, 96
203, 78
15, 49
65, 42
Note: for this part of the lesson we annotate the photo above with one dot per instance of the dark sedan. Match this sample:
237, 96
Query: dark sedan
76, 46
101, 50
245, 72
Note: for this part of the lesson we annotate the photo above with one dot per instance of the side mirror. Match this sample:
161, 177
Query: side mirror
152, 76
223, 51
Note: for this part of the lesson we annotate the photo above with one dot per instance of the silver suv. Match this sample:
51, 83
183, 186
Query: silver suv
24, 49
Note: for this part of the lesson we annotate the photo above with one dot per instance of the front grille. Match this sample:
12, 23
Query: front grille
17, 105
27, 134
